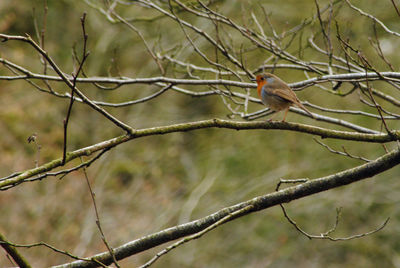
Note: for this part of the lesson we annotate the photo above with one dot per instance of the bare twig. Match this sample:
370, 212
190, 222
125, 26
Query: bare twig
379, 49
326, 34
283, 181
345, 77
195, 47
43, 244
373, 18
85, 54
197, 235
377, 106
98, 223
395, 7
344, 153
133, 28
325, 235
352, 112
64, 78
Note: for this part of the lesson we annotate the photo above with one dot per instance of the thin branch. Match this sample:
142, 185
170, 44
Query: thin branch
373, 18
351, 67
67, 81
379, 49
377, 106
352, 112
326, 35
344, 153
92, 261
98, 223
295, 181
196, 235
195, 47
133, 28
395, 7
64, 172
85, 54
326, 235
61, 173
346, 77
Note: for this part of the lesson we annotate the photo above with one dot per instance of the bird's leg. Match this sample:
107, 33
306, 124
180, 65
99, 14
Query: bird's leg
274, 115
284, 117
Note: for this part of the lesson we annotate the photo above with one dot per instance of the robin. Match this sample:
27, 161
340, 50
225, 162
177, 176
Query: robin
276, 94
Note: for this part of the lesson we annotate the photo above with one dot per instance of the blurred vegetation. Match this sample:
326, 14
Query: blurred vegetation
148, 184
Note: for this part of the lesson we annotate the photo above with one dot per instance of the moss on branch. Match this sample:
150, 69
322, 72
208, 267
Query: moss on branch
190, 126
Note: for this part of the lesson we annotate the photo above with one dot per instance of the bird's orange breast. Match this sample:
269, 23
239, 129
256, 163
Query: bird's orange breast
260, 85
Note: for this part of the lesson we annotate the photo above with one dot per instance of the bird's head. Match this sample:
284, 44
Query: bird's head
265, 78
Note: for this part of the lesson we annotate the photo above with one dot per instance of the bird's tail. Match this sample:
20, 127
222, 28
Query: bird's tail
305, 109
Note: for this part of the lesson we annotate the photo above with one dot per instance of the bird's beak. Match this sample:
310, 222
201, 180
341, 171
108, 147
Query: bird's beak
253, 80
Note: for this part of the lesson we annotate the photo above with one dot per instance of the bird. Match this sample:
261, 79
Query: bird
276, 94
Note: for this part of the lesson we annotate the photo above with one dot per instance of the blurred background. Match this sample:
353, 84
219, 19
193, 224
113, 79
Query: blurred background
152, 183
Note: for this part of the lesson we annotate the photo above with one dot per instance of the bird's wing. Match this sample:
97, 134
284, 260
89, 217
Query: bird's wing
289, 95
286, 94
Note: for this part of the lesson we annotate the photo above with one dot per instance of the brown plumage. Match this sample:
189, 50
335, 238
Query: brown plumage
277, 95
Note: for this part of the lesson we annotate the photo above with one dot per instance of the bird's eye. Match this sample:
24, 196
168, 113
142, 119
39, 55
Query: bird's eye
262, 78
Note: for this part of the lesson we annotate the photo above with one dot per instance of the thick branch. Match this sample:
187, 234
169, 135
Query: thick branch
258, 203
16, 256
212, 123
